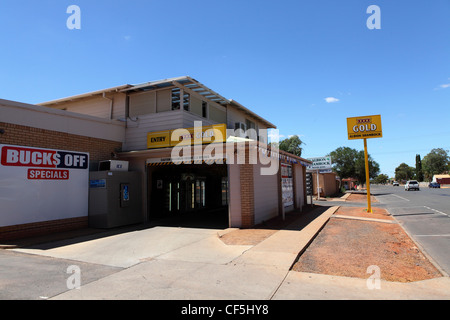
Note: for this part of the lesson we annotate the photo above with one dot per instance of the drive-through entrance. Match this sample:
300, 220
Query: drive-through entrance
188, 193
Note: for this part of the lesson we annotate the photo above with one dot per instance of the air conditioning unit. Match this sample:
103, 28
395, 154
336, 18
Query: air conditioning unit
113, 165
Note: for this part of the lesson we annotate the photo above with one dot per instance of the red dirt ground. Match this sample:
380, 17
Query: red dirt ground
348, 247
360, 197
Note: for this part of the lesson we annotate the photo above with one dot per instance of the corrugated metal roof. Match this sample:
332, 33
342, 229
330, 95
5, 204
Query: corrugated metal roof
85, 95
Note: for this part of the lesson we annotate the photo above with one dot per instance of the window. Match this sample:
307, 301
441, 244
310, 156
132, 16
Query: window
240, 129
250, 124
204, 109
200, 194
225, 191
176, 99
251, 130
186, 101
176, 93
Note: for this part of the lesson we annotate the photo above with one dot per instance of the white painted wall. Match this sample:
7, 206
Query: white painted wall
136, 133
265, 196
61, 121
234, 115
234, 186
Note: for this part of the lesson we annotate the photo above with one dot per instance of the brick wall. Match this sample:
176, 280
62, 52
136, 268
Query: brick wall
99, 149
247, 196
42, 228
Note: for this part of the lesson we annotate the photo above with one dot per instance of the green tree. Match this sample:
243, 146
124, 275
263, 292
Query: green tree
360, 167
381, 178
292, 145
350, 163
343, 159
419, 171
404, 172
435, 162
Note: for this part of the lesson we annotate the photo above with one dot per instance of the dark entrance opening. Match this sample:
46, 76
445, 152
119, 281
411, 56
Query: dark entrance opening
189, 195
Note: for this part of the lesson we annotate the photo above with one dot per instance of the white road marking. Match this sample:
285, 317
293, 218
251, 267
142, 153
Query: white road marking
437, 211
400, 197
432, 235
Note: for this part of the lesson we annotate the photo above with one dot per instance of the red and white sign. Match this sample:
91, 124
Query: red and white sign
13, 156
45, 174
42, 184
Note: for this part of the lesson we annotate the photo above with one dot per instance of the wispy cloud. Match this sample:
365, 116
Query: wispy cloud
274, 135
443, 86
331, 99
127, 38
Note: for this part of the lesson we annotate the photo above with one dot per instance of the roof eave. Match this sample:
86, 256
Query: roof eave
240, 106
84, 95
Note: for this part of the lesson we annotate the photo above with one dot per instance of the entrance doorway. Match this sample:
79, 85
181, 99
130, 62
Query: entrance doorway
195, 195
185, 194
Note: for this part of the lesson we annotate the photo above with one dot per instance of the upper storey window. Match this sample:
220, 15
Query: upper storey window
185, 101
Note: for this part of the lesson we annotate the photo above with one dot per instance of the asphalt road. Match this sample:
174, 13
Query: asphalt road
424, 214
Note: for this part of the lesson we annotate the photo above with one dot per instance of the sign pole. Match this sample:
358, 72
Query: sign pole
363, 128
369, 206
318, 188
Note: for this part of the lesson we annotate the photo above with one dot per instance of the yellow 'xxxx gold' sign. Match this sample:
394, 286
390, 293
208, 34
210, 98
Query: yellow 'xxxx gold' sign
364, 127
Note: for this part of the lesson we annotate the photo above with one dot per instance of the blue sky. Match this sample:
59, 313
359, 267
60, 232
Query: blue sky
281, 59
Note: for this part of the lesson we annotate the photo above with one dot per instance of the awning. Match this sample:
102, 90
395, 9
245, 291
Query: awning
186, 82
161, 162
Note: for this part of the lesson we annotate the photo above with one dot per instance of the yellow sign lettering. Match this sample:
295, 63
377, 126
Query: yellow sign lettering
364, 127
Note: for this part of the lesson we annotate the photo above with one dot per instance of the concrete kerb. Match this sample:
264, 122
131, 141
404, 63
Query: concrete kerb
346, 195
286, 245
341, 216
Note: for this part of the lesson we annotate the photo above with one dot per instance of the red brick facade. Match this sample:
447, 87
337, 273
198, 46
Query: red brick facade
247, 196
98, 149
41, 228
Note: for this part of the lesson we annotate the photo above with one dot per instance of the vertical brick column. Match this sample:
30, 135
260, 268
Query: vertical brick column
247, 196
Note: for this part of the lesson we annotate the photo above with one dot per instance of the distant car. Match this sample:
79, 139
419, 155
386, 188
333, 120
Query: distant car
412, 185
434, 185
395, 184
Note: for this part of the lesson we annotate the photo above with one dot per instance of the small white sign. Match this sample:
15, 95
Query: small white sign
319, 163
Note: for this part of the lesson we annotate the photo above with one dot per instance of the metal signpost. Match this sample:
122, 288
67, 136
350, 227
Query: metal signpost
309, 186
321, 163
364, 128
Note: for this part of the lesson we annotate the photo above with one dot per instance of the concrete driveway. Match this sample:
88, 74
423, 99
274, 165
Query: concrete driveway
163, 263
172, 263
128, 249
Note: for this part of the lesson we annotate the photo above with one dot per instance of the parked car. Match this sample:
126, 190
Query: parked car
395, 184
434, 185
412, 185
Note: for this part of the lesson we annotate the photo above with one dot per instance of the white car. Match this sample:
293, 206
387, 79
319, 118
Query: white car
412, 185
